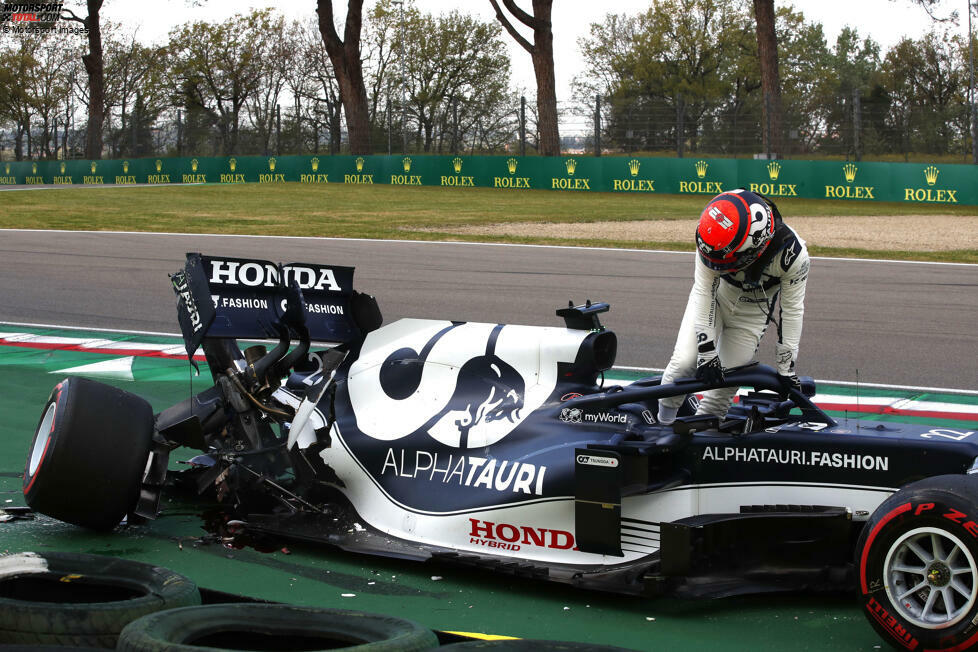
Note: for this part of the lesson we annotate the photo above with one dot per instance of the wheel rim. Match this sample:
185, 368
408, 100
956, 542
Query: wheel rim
931, 578
41, 440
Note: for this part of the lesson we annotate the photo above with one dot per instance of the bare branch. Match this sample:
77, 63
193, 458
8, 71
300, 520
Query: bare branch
521, 15
326, 27
526, 45
71, 16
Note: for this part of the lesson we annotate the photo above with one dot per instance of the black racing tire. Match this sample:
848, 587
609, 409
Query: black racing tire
272, 627
56, 598
529, 645
917, 565
88, 454
47, 648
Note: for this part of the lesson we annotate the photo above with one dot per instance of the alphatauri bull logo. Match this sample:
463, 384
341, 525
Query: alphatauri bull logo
487, 389
461, 384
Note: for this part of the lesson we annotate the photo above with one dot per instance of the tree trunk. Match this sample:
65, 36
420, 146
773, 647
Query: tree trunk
547, 104
542, 53
96, 82
767, 49
345, 57
334, 127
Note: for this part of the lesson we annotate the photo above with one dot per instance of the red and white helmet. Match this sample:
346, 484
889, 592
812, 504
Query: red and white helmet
734, 230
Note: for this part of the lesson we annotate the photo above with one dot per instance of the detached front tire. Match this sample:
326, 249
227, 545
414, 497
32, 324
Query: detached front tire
88, 454
917, 562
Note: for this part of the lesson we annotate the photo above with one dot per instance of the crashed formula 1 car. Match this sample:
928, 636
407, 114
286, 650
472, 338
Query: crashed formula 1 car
496, 446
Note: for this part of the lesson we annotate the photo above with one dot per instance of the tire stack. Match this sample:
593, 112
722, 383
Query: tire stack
68, 601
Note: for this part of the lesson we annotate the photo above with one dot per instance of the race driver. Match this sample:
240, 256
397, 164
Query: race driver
747, 258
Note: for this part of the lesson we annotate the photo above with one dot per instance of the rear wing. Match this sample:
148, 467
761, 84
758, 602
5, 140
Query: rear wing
243, 298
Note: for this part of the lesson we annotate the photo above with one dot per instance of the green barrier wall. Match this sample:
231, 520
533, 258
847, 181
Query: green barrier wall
863, 181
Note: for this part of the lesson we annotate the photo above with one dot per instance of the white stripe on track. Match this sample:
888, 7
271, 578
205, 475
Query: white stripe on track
462, 243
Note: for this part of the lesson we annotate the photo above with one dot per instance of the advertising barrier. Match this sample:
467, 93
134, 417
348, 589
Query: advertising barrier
851, 181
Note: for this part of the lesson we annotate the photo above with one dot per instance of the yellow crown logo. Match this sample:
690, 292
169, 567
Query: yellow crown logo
849, 169
930, 173
271, 164
125, 167
62, 168
773, 170
159, 165
701, 168
457, 164
7, 168
314, 163
233, 164
93, 166
571, 166
359, 163
511, 165
193, 165
406, 162
633, 167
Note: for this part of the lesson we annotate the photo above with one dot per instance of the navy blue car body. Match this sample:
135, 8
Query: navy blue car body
501, 446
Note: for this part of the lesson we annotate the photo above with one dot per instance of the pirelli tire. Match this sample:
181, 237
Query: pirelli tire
247, 626
73, 599
917, 565
88, 454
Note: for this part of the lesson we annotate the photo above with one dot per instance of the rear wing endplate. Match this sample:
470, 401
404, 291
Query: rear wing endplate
246, 299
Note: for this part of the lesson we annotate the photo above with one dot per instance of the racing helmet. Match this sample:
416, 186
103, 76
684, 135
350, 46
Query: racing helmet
734, 230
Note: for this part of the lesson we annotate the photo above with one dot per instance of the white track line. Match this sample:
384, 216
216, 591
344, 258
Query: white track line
456, 243
912, 388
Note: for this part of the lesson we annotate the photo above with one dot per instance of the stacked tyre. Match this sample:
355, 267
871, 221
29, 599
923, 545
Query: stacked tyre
82, 600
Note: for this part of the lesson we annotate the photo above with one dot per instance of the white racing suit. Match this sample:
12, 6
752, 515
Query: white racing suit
731, 312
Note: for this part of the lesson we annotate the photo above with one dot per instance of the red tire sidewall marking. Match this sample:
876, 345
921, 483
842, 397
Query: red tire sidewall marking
55, 397
931, 509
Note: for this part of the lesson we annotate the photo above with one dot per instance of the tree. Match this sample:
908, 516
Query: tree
345, 56
803, 62
321, 87
767, 49
219, 67
278, 57
927, 82
16, 66
667, 72
457, 77
604, 53
853, 68
542, 53
94, 67
35, 87
135, 85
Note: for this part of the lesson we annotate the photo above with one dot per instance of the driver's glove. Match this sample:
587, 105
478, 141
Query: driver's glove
709, 369
786, 367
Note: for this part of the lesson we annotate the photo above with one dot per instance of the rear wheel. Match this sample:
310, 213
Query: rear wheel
918, 565
88, 454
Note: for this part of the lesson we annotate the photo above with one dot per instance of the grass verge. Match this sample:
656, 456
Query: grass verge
339, 210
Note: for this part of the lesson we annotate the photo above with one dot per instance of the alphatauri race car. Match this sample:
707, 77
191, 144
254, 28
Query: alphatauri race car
501, 446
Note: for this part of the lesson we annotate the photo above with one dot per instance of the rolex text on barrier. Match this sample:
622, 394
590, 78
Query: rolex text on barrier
835, 180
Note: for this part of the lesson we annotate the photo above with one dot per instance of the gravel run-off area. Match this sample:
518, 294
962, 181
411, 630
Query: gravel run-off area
877, 232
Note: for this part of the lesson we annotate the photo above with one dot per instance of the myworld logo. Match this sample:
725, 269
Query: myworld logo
250, 274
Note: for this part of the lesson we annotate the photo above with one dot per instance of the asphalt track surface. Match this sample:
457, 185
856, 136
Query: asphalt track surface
883, 322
